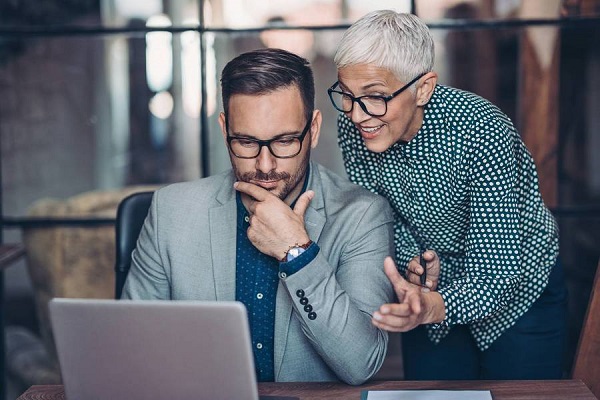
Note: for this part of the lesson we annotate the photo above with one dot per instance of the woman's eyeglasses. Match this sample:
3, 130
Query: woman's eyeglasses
375, 106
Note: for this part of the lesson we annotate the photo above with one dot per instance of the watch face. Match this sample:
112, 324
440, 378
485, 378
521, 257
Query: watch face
294, 252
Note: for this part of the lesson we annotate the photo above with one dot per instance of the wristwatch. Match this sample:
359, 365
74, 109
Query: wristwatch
295, 250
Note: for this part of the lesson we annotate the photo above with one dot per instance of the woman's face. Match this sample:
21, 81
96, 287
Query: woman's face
404, 115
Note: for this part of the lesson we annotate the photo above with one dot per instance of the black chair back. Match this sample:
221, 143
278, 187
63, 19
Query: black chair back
131, 214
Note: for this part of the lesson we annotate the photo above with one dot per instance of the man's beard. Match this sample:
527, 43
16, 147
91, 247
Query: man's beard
290, 181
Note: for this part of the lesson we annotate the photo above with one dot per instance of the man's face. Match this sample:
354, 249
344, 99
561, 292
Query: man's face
276, 114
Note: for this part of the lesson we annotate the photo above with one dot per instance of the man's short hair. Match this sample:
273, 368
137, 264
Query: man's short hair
263, 71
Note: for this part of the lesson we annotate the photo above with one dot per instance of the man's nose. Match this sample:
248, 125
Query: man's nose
265, 161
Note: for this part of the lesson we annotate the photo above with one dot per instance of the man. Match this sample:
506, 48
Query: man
302, 248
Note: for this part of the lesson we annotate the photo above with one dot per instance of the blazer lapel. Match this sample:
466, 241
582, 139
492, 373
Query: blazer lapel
223, 241
314, 220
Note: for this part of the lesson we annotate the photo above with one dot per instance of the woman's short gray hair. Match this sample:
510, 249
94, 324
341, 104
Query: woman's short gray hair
395, 41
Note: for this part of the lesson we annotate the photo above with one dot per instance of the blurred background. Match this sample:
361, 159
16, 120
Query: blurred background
99, 98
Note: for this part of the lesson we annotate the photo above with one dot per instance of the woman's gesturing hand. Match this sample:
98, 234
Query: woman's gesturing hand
414, 307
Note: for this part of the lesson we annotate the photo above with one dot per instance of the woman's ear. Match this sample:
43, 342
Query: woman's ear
425, 88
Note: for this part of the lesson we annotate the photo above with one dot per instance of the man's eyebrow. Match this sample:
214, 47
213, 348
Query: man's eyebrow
278, 136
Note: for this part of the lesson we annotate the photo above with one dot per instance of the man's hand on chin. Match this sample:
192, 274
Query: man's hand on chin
274, 226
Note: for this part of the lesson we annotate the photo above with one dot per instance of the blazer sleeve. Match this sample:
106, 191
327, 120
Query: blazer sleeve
147, 277
340, 299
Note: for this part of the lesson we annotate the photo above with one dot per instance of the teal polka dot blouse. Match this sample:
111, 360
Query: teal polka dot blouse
466, 187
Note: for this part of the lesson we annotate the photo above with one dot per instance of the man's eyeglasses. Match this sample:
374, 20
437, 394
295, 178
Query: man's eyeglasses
285, 146
375, 106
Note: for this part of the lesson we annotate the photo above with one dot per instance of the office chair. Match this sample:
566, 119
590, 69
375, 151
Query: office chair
131, 214
587, 360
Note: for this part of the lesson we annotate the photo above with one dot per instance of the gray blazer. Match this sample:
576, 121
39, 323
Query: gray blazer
187, 251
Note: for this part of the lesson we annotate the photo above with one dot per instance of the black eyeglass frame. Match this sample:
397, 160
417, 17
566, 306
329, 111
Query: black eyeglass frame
267, 143
362, 105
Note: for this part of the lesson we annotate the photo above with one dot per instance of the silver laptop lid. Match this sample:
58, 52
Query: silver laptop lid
124, 349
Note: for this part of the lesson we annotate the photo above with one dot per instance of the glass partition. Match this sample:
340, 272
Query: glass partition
84, 113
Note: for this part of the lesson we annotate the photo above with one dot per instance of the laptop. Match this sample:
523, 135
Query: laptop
150, 349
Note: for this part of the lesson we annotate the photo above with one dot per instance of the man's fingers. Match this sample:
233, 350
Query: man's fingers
254, 191
303, 202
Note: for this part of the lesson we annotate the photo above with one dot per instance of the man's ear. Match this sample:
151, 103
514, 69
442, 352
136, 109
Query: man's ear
425, 88
223, 126
315, 128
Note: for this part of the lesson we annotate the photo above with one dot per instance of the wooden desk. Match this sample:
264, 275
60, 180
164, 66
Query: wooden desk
501, 390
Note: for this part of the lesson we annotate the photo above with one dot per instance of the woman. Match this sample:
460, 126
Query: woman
462, 183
